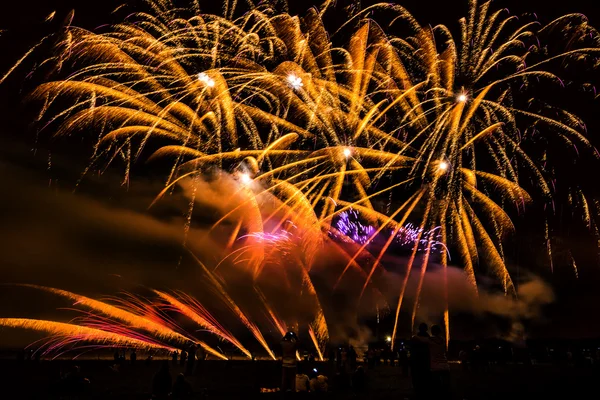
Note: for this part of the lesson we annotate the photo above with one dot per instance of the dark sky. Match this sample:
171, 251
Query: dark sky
100, 237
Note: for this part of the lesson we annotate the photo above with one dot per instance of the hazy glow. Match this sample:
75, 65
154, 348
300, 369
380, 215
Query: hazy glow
347, 152
246, 179
443, 166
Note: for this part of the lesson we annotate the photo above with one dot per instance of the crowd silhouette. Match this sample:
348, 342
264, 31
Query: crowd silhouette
419, 366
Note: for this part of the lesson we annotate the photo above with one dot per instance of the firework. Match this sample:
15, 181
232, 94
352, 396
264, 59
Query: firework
192, 309
350, 229
158, 329
65, 334
426, 127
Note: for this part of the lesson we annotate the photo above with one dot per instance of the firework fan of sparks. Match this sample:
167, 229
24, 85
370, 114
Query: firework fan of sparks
333, 121
137, 322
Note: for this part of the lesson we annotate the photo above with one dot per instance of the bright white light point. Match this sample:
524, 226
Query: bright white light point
295, 81
443, 166
388, 339
207, 80
347, 152
246, 179
462, 98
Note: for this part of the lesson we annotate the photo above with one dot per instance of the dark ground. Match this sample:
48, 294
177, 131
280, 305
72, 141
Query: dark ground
243, 379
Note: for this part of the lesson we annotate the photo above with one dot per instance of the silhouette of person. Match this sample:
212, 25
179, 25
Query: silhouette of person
182, 358
352, 357
133, 357
420, 362
403, 359
371, 357
289, 345
318, 383
174, 357
463, 356
161, 384
189, 367
181, 389
302, 382
440, 370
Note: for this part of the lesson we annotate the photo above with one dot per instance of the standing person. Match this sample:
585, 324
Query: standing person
289, 345
371, 357
189, 367
182, 358
133, 357
476, 358
440, 369
344, 357
403, 360
378, 356
352, 356
464, 359
420, 362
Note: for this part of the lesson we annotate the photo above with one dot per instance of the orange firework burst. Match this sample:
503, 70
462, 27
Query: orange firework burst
432, 119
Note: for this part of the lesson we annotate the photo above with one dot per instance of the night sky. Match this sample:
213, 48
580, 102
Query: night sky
97, 237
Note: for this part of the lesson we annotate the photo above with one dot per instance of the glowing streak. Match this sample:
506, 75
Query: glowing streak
315, 343
78, 333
